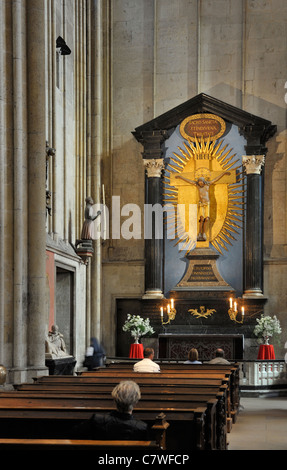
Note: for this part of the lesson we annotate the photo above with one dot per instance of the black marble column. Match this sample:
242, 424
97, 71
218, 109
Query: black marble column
153, 163
153, 239
253, 278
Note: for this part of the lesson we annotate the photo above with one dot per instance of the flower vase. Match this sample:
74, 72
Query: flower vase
136, 340
266, 339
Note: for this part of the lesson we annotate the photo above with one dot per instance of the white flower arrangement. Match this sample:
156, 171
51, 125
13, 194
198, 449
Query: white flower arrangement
267, 327
137, 326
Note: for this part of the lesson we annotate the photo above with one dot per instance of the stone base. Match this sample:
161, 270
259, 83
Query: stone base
202, 273
61, 366
153, 295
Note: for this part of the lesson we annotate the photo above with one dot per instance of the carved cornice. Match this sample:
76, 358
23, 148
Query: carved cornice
154, 167
253, 164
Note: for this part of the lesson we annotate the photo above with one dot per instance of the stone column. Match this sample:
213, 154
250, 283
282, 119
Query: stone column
152, 141
153, 232
36, 130
253, 279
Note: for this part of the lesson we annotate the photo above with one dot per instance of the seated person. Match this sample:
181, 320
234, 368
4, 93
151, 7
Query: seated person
219, 358
147, 364
193, 357
119, 424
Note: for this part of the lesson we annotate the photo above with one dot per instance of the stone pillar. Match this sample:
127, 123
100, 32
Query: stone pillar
153, 234
36, 129
152, 141
253, 279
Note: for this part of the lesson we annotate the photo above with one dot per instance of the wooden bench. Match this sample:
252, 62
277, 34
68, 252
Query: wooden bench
164, 378
167, 399
159, 443
195, 370
76, 445
210, 409
168, 379
32, 417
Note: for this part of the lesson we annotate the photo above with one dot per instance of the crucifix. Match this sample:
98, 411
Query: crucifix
203, 187
211, 206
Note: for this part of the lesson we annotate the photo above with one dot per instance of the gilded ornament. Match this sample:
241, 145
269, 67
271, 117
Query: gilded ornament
203, 313
205, 192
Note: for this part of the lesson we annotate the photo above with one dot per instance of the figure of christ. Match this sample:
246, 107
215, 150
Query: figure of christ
204, 202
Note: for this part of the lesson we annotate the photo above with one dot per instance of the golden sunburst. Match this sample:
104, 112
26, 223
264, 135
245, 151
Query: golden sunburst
205, 155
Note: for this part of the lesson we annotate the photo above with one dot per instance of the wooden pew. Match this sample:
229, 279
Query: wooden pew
210, 370
163, 378
198, 395
172, 398
159, 429
76, 445
32, 417
170, 381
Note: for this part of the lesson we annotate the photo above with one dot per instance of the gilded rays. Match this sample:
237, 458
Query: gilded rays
214, 162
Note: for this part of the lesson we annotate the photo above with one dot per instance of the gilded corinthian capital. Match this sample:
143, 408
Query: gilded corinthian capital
154, 167
253, 164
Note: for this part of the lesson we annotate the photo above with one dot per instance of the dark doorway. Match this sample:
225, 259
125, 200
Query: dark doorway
65, 305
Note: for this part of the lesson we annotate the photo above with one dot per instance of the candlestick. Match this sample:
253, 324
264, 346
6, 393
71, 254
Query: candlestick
172, 303
233, 311
170, 311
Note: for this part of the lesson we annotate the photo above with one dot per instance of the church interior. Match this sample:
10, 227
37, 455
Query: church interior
144, 175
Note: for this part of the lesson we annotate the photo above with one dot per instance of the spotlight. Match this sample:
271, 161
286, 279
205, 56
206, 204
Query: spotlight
62, 46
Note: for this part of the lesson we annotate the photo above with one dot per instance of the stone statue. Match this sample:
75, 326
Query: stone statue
203, 204
55, 345
88, 225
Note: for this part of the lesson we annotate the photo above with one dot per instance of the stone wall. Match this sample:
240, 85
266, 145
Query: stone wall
131, 60
163, 53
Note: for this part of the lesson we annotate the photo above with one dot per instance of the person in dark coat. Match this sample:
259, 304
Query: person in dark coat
119, 424
95, 355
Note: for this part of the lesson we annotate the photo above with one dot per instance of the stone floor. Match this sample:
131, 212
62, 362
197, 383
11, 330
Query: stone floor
261, 424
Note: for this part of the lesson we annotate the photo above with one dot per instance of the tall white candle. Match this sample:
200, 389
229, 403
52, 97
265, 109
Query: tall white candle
161, 311
230, 302
104, 213
172, 303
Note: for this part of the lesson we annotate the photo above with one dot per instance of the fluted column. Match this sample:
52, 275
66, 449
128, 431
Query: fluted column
253, 279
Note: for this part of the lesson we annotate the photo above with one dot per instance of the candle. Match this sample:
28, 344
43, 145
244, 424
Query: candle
104, 213
172, 303
168, 308
242, 310
235, 306
161, 311
230, 302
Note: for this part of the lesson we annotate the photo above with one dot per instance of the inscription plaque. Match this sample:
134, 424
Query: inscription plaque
202, 273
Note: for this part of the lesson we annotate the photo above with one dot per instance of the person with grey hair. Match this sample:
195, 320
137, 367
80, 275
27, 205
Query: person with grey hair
119, 423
